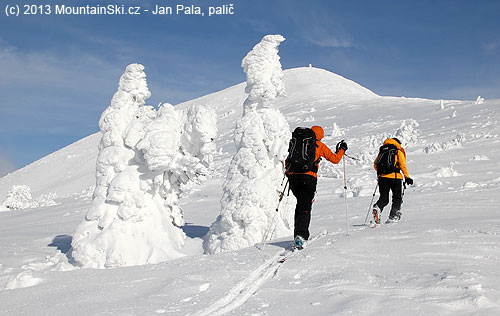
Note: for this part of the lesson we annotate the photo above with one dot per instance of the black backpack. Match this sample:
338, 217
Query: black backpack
302, 151
386, 160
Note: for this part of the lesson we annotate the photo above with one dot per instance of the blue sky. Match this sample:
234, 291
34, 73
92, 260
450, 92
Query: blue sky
58, 73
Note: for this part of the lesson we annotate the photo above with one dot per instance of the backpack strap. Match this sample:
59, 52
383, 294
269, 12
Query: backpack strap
397, 170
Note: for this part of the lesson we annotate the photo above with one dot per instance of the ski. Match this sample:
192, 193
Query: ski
372, 224
391, 221
294, 250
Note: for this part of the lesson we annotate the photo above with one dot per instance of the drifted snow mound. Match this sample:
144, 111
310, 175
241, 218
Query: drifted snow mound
252, 186
145, 161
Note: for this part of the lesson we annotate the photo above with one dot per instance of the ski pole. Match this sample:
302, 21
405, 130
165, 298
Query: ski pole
371, 203
266, 234
345, 198
282, 194
268, 230
353, 158
403, 193
284, 176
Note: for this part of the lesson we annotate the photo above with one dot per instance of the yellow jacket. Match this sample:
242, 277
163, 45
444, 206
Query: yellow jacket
400, 161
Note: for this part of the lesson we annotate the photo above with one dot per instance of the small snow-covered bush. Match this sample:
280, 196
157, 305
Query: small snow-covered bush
438, 147
337, 131
46, 199
18, 198
408, 133
446, 172
479, 100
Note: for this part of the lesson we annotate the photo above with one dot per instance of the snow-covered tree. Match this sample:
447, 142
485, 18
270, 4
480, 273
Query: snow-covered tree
479, 100
250, 191
18, 198
337, 131
142, 168
408, 133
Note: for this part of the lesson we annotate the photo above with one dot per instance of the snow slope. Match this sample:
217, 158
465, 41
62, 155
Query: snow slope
441, 259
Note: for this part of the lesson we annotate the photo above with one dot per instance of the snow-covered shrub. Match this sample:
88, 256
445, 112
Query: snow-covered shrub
87, 193
358, 186
308, 119
408, 133
446, 172
479, 100
438, 147
142, 168
368, 147
18, 198
470, 185
252, 185
479, 158
199, 133
337, 131
46, 200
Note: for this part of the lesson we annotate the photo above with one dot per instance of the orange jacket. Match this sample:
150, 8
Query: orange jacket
322, 151
400, 161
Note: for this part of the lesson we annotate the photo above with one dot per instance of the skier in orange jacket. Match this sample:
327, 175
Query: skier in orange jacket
303, 185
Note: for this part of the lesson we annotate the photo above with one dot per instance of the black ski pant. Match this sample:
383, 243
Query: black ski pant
385, 185
303, 186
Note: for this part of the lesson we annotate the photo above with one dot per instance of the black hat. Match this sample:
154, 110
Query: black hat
399, 142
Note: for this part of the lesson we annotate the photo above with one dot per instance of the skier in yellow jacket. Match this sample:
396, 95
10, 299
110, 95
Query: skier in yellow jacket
391, 167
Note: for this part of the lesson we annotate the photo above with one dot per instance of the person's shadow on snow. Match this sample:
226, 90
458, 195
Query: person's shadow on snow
62, 243
195, 231
286, 244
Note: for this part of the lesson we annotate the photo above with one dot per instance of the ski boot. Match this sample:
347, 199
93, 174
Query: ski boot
299, 242
376, 214
394, 218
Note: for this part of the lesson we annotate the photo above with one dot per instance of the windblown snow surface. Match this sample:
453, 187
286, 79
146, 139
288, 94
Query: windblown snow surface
443, 258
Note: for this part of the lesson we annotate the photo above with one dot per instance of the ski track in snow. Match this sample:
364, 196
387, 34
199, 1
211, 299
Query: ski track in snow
239, 294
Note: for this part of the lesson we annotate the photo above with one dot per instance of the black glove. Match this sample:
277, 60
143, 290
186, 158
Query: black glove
341, 145
409, 181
